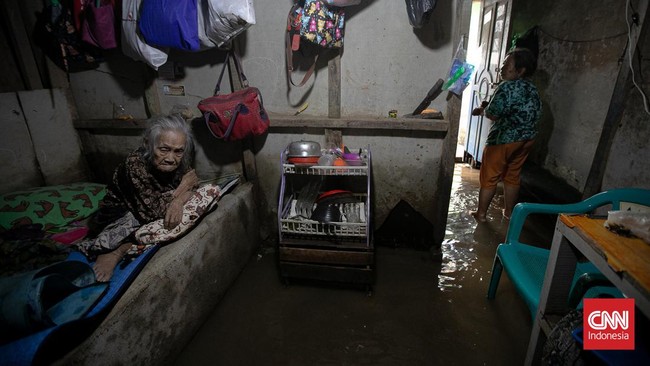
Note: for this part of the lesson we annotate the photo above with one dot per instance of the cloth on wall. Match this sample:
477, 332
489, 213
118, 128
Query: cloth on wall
56, 34
98, 23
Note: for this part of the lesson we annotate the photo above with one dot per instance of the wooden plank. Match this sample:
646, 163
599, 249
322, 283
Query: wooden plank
110, 124
327, 273
19, 164
20, 40
284, 121
248, 146
341, 257
353, 122
623, 254
622, 88
235, 79
334, 86
325, 243
56, 142
333, 138
51, 75
151, 96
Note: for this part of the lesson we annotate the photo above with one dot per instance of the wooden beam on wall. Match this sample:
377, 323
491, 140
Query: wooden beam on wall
333, 138
235, 79
151, 96
616, 108
20, 41
334, 86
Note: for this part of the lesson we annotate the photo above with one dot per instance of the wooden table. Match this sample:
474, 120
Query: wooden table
624, 261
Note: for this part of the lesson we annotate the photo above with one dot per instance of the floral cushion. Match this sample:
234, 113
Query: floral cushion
203, 200
51, 206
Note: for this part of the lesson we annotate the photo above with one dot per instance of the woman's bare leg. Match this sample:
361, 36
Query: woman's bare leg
485, 196
510, 196
106, 263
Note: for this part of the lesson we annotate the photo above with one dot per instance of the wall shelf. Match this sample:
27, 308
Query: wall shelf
285, 121
367, 123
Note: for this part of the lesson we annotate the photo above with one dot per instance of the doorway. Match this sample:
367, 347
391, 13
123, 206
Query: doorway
486, 47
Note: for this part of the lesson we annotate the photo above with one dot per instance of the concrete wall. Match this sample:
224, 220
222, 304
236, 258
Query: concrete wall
105, 145
404, 165
577, 73
628, 164
39, 143
386, 64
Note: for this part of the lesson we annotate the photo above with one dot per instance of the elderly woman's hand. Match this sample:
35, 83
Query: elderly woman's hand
189, 181
181, 195
174, 212
173, 215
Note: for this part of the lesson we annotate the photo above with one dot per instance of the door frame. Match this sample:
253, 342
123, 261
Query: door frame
493, 35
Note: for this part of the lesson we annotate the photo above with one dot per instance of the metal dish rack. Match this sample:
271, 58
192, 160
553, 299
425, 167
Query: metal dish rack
329, 251
302, 227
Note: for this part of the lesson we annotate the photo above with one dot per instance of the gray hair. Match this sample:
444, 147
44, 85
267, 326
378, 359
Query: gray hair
172, 122
524, 58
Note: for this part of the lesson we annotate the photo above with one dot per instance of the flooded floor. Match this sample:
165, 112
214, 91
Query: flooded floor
422, 311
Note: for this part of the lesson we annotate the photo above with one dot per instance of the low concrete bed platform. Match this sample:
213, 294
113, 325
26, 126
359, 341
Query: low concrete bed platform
176, 290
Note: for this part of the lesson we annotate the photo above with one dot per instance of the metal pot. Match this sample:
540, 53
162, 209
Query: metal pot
303, 149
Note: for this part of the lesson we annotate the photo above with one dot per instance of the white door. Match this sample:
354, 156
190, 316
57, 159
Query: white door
493, 41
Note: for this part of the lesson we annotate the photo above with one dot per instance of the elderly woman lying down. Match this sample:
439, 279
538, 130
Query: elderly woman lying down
154, 182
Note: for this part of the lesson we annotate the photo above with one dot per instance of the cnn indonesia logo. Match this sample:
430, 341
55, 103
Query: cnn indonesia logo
608, 324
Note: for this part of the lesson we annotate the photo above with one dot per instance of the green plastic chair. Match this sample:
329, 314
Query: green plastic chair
526, 264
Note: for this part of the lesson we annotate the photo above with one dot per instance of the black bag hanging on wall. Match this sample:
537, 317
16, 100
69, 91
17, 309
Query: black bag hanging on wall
419, 11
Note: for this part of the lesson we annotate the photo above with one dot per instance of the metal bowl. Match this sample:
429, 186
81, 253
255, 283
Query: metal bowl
326, 212
303, 149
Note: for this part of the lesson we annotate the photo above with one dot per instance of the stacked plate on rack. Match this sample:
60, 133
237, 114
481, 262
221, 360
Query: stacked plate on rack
303, 153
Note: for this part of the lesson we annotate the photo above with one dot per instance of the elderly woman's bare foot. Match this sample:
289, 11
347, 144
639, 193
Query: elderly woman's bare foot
106, 263
478, 216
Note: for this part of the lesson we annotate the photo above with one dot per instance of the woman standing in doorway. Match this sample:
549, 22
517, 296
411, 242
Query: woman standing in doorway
514, 110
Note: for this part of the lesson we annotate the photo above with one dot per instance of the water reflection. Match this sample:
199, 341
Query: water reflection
463, 235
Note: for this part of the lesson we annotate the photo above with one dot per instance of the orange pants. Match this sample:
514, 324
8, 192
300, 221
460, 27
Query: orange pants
503, 163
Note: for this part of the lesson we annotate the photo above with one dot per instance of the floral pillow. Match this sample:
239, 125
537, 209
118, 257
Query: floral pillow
203, 200
50, 206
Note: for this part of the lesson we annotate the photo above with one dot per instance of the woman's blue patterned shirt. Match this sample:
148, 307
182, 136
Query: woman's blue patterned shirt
517, 108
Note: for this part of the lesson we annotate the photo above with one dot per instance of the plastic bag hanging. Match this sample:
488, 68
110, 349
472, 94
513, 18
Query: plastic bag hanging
460, 72
419, 11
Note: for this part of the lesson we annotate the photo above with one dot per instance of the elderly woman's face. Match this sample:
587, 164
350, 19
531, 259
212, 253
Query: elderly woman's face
168, 151
509, 71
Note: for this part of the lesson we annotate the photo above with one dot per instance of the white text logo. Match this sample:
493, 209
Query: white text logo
599, 320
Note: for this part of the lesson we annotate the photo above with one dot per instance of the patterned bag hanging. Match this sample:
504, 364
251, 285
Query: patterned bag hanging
322, 24
316, 22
